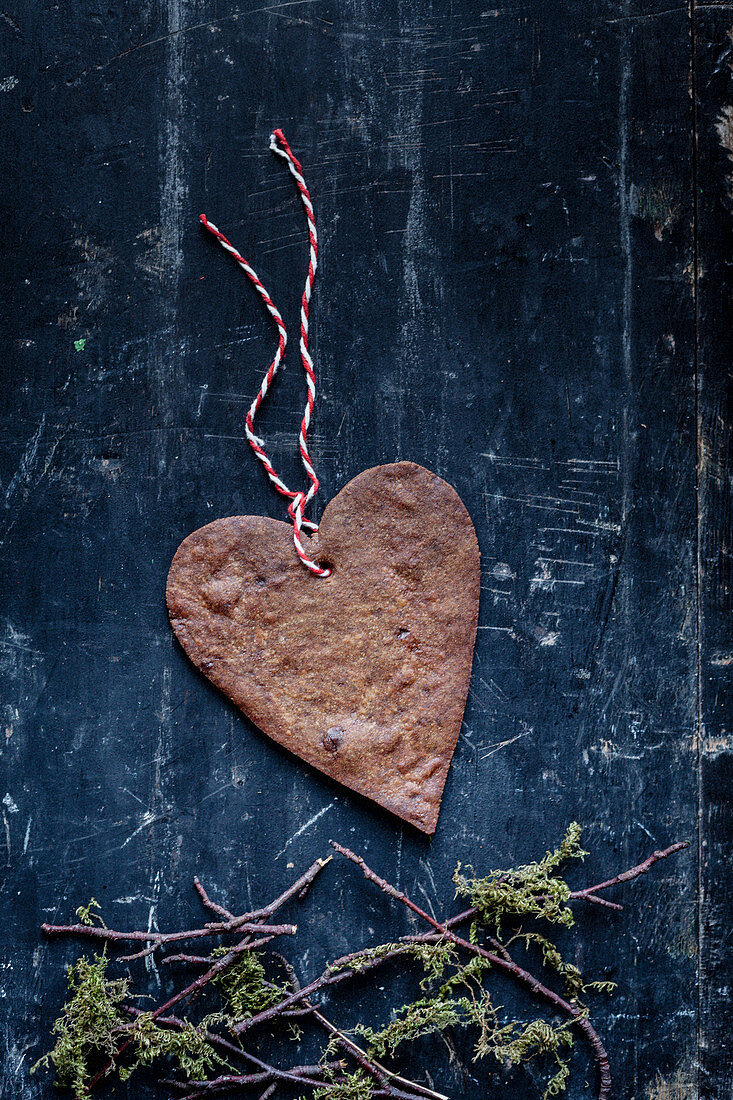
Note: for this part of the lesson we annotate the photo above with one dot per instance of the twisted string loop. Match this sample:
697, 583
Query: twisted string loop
299, 500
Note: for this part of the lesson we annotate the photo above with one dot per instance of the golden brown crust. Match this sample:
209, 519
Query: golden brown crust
365, 674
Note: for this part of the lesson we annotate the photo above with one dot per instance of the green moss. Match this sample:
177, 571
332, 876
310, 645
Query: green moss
424, 1017
91, 1026
517, 1043
365, 957
551, 956
188, 1048
530, 890
244, 986
534, 891
435, 957
85, 915
349, 1086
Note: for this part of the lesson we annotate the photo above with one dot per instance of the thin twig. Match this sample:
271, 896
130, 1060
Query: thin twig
194, 960
299, 1075
504, 962
247, 922
588, 893
302, 1075
212, 905
338, 971
253, 930
346, 1041
634, 872
160, 939
302, 883
217, 968
175, 1023
371, 1064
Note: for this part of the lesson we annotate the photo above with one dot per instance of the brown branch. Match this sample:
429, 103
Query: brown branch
212, 905
175, 1023
299, 887
299, 1075
251, 923
604, 902
503, 962
632, 873
339, 971
298, 1003
194, 960
160, 939
219, 1042
588, 893
370, 1064
346, 967
301, 884
194, 987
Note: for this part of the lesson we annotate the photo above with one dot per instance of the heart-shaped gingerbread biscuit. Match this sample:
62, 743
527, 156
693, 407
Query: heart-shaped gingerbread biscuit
364, 674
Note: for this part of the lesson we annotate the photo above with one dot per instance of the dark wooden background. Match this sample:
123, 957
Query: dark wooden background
525, 214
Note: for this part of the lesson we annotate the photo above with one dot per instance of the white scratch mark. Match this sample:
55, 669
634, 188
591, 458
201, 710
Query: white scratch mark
10, 804
645, 830
26, 463
428, 899
626, 251
429, 871
137, 799
174, 189
398, 871
150, 964
148, 818
303, 828
504, 744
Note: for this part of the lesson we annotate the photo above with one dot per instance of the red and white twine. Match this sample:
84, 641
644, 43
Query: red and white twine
299, 501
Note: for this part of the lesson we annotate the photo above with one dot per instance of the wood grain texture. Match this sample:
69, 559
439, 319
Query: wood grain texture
713, 40
511, 294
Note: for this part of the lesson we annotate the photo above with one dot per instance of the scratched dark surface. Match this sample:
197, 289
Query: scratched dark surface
523, 287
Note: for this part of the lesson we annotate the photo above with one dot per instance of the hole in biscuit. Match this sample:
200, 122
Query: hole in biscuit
403, 632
